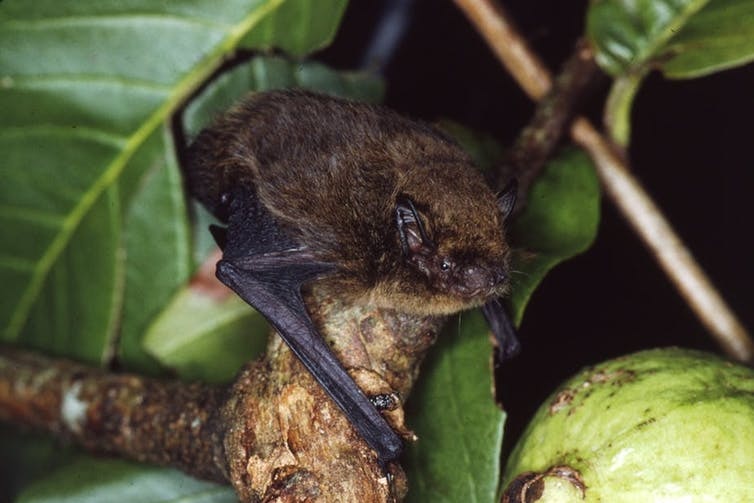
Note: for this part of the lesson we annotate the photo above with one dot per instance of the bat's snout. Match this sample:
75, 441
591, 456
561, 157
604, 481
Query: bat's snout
477, 280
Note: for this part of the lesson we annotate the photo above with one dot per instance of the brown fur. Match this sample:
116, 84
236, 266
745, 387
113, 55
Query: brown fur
330, 172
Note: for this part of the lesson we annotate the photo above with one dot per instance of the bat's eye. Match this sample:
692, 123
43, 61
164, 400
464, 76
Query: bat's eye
446, 265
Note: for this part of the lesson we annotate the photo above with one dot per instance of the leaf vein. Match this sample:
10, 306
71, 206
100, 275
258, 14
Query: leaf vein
32, 215
59, 80
111, 19
95, 135
182, 89
14, 263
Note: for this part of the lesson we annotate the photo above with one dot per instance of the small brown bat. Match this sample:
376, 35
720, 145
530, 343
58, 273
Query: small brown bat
383, 209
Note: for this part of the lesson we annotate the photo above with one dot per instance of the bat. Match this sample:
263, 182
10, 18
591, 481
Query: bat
381, 209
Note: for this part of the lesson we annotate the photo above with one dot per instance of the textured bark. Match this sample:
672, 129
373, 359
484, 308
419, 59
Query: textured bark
298, 445
273, 433
162, 422
552, 119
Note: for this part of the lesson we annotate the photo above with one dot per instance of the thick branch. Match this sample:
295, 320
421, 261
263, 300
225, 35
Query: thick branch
311, 451
637, 207
274, 433
161, 422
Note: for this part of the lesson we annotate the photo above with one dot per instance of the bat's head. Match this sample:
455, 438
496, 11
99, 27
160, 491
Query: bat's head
451, 238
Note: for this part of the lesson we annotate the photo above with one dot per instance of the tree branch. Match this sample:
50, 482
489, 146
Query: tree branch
161, 422
552, 117
625, 191
274, 433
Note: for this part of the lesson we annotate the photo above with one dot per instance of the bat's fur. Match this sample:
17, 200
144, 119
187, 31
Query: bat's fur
330, 172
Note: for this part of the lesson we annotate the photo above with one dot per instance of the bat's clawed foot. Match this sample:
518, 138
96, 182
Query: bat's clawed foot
385, 401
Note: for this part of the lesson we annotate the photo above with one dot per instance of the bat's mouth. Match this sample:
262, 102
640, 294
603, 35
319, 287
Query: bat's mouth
477, 282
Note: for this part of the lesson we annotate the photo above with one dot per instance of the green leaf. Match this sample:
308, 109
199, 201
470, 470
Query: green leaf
86, 88
264, 73
203, 337
34, 455
157, 240
460, 428
320, 20
628, 34
92, 225
77, 308
107, 480
720, 36
560, 221
683, 38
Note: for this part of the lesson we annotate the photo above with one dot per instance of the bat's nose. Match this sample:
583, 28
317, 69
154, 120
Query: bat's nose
499, 277
476, 280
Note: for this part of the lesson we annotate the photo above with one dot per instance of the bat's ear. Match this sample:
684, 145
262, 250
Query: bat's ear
414, 239
506, 199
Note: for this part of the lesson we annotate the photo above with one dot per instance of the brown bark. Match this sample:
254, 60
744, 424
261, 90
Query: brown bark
552, 117
312, 452
273, 433
162, 422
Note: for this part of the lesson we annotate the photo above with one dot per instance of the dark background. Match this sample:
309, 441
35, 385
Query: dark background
691, 147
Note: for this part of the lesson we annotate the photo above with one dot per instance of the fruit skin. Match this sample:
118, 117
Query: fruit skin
659, 425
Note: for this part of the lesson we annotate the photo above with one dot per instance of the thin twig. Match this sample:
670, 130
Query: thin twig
673, 256
509, 46
552, 119
626, 192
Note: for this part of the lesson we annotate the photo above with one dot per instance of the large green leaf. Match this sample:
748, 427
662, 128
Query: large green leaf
719, 36
76, 311
93, 230
628, 34
107, 480
265, 73
460, 428
86, 89
204, 337
683, 38
560, 221
157, 244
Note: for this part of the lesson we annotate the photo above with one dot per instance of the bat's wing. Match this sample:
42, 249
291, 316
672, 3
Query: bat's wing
265, 268
502, 328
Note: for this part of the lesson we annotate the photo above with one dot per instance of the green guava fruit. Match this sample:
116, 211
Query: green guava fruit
656, 426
